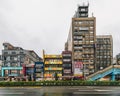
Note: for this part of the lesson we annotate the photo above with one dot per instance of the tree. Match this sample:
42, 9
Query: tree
56, 76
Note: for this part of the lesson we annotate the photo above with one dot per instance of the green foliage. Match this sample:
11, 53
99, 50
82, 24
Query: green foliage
60, 83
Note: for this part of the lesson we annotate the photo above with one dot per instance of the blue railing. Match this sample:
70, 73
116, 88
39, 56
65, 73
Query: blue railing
101, 75
111, 70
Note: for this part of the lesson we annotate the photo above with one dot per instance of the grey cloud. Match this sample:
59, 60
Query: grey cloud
44, 24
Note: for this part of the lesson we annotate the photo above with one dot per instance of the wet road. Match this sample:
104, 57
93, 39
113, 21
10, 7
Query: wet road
61, 91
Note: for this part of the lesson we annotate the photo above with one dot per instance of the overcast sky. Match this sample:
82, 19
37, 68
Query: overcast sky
44, 24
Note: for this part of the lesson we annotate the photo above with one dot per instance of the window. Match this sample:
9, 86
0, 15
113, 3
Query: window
21, 52
75, 27
91, 28
5, 53
66, 54
13, 52
82, 9
83, 14
91, 32
80, 22
91, 22
15, 58
66, 60
77, 37
83, 28
8, 58
91, 41
75, 22
66, 65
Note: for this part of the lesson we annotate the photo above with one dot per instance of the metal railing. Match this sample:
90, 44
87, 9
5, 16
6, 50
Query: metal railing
101, 71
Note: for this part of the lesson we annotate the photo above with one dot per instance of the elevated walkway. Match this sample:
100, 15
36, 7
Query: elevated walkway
111, 70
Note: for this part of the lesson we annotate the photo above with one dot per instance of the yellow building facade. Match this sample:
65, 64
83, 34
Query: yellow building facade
52, 66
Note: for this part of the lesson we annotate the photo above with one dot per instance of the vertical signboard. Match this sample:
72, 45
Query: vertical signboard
78, 66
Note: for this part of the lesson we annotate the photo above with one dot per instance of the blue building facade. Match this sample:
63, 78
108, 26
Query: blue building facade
13, 71
38, 71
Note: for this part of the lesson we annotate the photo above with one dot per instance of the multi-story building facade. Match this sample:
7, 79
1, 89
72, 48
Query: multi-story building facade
114, 61
0, 63
13, 59
104, 51
81, 40
0, 57
67, 63
52, 66
39, 70
118, 59
29, 72
117, 62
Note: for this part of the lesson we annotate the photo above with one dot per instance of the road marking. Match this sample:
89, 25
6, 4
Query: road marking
73, 88
94, 90
102, 90
86, 90
89, 93
11, 93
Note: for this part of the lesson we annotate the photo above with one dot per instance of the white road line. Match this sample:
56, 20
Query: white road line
102, 90
11, 93
73, 88
89, 93
86, 90
94, 90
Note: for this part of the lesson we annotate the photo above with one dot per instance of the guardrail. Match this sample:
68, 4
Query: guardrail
104, 70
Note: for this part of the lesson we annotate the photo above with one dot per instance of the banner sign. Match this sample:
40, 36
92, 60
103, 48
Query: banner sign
78, 66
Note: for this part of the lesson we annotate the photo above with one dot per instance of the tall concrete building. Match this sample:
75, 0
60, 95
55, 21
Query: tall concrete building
104, 51
13, 59
81, 41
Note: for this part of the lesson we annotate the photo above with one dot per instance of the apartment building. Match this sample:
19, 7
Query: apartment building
104, 51
81, 40
13, 59
67, 63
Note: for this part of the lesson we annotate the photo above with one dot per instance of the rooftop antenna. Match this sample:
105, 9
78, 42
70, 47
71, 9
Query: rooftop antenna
92, 14
88, 3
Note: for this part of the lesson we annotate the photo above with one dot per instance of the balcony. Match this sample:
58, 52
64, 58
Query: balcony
78, 42
79, 33
76, 58
50, 62
52, 68
52, 56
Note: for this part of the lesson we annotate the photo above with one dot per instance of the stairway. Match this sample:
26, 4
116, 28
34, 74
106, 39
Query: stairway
102, 73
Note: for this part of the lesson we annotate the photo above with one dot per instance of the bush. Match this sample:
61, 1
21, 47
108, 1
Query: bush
61, 83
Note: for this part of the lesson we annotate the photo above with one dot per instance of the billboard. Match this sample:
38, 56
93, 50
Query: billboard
78, 66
